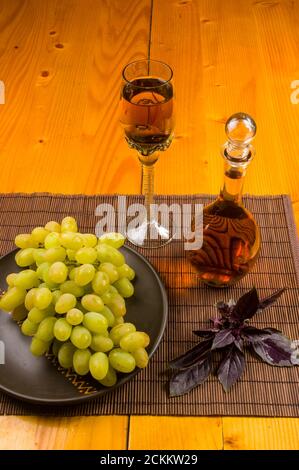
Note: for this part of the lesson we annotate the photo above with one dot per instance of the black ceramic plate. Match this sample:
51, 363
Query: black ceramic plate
37, 380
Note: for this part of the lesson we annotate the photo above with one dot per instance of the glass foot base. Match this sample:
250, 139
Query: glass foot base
150, 235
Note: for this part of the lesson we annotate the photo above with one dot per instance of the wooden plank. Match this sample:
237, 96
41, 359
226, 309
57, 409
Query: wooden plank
61, 63
175, 433
261, 433
32, 433
227, 57
59, 132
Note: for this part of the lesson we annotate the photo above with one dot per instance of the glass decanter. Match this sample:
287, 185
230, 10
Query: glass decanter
231, 237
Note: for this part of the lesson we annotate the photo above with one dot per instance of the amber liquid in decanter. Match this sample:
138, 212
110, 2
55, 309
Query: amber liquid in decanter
231, 237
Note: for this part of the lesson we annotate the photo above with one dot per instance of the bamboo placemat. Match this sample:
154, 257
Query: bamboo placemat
262, 390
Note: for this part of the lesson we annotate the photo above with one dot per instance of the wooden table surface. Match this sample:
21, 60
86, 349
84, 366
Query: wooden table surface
60, 61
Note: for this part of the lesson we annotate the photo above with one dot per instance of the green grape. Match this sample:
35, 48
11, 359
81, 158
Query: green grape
25, 257
36, 316
65, 303
70, 287
116, 240
71, 254
10, 279
101, 344
56, 345
71, 240
95, 322
133, 341
66, 354
98, 365
117, 305
84, 274
26, 279
52, 240
42, 268
24, 240
92, 303
50, 310
55, 296
86, 255
110, 378
89, 239
45, 329
52, 226
19, 313
29, 299
74, 316
100, 282
108, 294
119, 321
12, 298
48, 283
126, 271
141, 357
81, 337
124, 287
72, 273
106, 312
110, 270
122, 361
42, 298
39, 256
58, 272
56, 253
69, 224
81, 361
62, 329
39, 347
109, 254
118, 331
39, 234
28, 328
80, 307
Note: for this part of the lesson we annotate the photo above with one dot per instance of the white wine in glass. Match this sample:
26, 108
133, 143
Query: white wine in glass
147, 118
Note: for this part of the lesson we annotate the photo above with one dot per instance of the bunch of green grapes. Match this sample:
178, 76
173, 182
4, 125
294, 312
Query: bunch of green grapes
71, 298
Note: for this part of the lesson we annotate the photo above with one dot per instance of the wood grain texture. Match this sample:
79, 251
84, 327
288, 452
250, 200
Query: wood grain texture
100, 432
175, 433
61, 63
261, 433
227, 57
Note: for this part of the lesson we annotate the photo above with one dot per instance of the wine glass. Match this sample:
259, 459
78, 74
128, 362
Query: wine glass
146, 115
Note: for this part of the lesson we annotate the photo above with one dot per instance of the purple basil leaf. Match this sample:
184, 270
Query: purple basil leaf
231, 367
185, 380
192, 356
223, 338
246, 307
239, 343
253, 334
272, 330
204, 333
276, 350
267, 301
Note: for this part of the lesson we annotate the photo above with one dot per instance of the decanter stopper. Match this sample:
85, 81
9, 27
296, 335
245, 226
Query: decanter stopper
240, 129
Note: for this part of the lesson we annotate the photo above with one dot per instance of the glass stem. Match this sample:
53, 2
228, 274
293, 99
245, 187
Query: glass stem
148, 188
